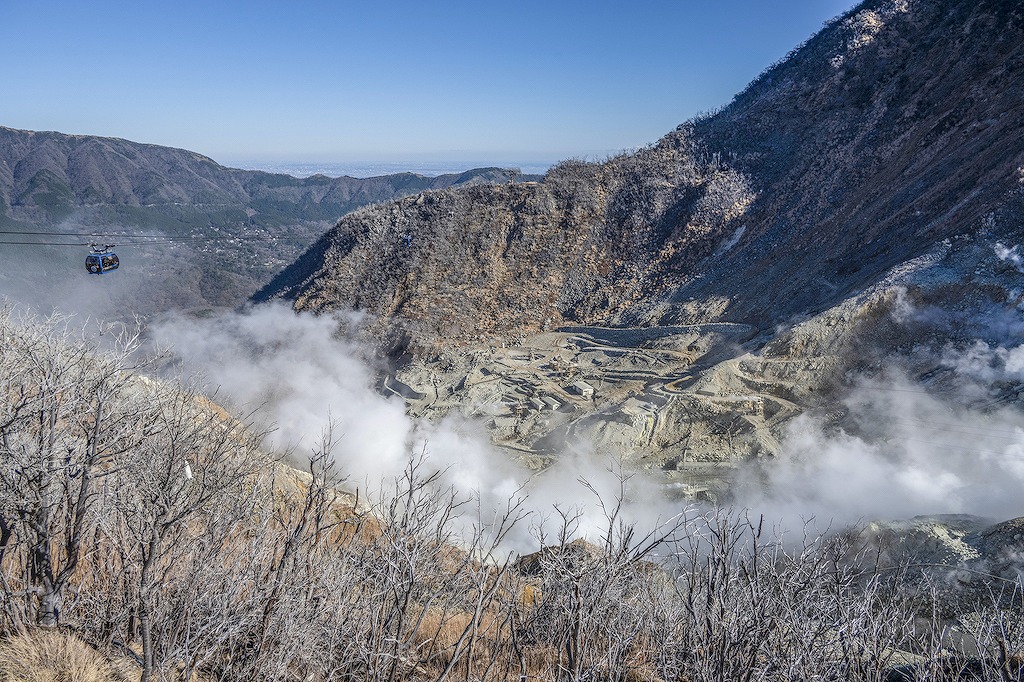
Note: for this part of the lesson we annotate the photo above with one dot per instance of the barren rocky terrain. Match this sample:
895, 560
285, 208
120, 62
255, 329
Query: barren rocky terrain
854, 210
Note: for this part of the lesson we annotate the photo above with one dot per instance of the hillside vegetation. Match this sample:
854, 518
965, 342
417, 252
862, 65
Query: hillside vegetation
852, 216
152, 524
577, 247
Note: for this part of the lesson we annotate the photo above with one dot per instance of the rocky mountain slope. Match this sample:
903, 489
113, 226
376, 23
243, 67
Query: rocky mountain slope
684, 302
893, 129
235, 227
867, 146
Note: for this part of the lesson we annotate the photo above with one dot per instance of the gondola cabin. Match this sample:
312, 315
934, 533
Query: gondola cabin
101, 261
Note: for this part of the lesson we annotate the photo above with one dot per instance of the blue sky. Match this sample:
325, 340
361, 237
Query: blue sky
314, 80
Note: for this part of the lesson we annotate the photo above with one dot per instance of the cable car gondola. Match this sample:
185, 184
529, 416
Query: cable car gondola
101, 260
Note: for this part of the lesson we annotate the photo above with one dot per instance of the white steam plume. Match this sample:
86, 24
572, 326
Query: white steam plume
300, 375
904, 451
908, 452
1011, 254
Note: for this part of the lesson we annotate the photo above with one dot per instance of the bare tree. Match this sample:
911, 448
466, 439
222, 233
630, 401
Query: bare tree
192, 461
64, 421
148, 518
597, 600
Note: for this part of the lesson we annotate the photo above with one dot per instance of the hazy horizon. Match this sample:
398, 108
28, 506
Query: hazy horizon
401, 81
366, 168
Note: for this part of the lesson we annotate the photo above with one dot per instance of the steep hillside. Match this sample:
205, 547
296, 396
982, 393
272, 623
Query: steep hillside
683, 303
235, 227
496, 263
897, 126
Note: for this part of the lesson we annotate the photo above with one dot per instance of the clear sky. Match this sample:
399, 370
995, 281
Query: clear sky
393, 79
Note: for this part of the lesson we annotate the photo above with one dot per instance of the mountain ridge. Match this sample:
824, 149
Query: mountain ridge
919, 141
875, 169
234, 228
738, 176
96, 170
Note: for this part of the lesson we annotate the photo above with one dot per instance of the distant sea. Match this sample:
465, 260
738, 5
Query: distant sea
369, 169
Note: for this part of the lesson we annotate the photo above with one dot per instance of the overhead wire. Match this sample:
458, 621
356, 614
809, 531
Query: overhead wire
77, 234
43, 243
948, 447
117, 240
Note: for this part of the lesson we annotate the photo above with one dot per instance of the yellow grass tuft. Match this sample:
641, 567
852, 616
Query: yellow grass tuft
45, 656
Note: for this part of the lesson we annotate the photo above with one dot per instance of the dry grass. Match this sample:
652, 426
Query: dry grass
44, 656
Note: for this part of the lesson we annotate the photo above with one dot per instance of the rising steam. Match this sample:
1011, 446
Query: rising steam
300, 375
951, 441
900, 451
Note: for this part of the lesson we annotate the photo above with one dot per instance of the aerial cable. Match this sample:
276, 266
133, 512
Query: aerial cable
123, 238
132, 241
1017, 434
44, 243
965, 448
77, 234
